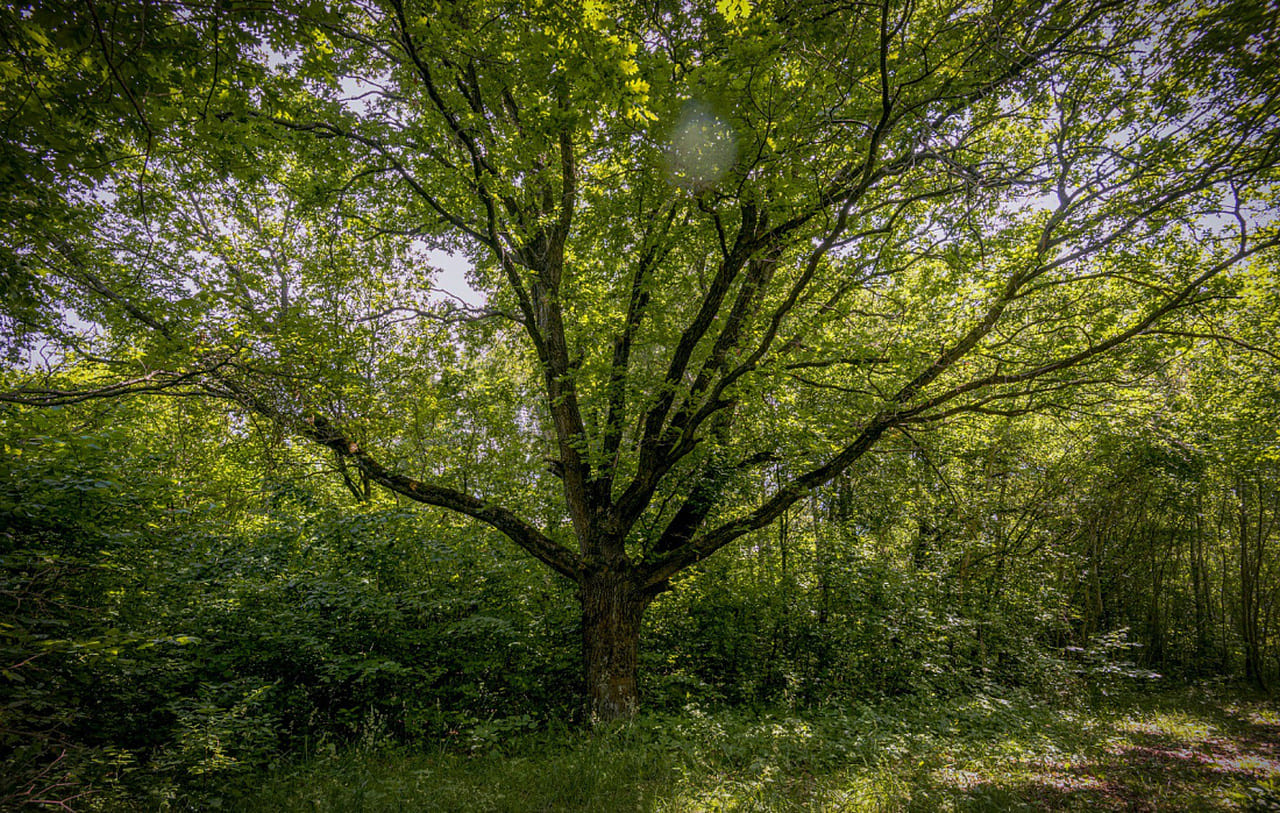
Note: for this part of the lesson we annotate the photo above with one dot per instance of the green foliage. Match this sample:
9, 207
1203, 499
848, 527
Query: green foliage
926, 352
978, 753
865, 628
179, 615
153, 648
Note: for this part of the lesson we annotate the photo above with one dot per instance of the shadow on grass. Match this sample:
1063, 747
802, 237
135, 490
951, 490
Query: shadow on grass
1173, 751
1169, 752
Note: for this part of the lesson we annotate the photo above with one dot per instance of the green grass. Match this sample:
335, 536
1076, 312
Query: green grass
1183, 750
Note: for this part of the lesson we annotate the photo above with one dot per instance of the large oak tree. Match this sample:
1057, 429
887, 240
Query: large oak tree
710, 237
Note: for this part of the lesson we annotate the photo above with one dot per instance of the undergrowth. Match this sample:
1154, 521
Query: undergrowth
1185, 750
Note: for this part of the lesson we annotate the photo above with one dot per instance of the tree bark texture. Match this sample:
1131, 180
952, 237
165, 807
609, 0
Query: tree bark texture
612, 608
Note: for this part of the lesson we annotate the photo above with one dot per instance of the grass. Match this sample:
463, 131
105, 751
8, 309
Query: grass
1175, 751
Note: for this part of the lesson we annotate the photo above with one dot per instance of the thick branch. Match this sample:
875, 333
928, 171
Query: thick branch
611, 440
650, 467
155, 382
664, 567
1182, 298
522, 533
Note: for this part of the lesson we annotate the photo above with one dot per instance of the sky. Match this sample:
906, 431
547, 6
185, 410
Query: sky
452, 278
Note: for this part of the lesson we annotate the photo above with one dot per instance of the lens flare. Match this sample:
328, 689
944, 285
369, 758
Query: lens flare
701, 148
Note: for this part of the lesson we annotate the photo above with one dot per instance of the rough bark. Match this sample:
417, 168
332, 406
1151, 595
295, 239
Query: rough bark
613, 605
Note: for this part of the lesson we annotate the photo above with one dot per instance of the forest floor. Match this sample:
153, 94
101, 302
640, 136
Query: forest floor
1173, 750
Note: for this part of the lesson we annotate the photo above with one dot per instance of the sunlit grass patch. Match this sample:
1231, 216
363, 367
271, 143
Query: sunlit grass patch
968, 754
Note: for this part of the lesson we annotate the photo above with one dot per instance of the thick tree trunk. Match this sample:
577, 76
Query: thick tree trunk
612, 608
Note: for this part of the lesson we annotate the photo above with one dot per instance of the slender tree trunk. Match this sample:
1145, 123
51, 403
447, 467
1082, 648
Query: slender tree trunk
1249, 561
1154, 654
1092, 621
1199, 585
612, 608
1226, 653
820, 535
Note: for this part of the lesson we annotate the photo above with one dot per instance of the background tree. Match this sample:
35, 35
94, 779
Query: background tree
714, 241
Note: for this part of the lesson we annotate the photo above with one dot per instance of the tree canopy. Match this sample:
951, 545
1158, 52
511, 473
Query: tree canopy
710, 238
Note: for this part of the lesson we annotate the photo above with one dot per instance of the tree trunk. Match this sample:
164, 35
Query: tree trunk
1249, 586
612, 607
1200, 586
